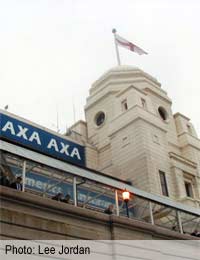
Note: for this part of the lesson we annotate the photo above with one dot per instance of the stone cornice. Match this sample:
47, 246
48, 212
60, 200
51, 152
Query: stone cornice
128, 80
131, 87
89, 105
138, 116
165, 98
183, 160
181, 115
184, 132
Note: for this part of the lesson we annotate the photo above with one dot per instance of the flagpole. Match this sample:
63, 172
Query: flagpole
116, 47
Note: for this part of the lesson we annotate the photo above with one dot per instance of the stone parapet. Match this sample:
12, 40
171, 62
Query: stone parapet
28, 216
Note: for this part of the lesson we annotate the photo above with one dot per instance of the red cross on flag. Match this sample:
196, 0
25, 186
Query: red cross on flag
129, 45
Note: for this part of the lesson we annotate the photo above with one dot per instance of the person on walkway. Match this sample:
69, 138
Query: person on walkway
58, 197
4, 180
109, 209
17, 184
195, 233
66, 198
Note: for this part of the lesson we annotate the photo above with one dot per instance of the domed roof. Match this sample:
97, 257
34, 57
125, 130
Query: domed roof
122, 68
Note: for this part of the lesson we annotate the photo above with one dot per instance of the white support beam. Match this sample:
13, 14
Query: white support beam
24, 175
75, 191
179, 221
151, 213
117, 202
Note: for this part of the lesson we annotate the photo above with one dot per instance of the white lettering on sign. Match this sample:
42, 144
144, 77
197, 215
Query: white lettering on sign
35, 136
53, 144
75, 152
64, 148
9, 126
41, 185
22, 132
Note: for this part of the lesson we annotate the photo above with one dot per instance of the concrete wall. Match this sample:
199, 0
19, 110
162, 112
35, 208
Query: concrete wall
27, 216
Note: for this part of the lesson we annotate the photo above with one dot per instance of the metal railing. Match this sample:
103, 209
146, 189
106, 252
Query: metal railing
46, 177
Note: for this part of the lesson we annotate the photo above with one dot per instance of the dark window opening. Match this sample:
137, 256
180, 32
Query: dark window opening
163, 183
144, 105
162, 113
188, 189
189, 129
100, 118
124, 105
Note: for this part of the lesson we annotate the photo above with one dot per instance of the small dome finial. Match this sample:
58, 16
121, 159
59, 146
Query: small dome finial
114, 30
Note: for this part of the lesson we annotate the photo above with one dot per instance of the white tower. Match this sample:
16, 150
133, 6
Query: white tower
136, 136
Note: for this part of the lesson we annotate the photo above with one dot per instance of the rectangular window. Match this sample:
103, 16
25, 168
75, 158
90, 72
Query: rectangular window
125, 141
124, 105
189, 129
163, 183
188, 189
156, 139
143, 101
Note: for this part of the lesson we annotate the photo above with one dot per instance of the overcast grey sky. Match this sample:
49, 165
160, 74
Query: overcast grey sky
52, 51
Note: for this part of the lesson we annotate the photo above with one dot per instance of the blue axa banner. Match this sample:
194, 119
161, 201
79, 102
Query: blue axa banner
34, 138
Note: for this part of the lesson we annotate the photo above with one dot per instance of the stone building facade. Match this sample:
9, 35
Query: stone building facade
131, 133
